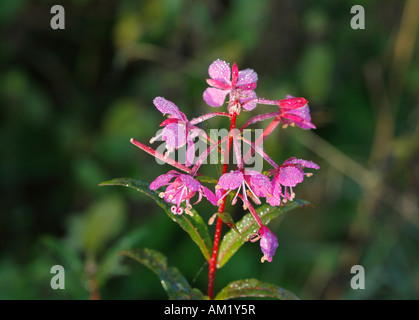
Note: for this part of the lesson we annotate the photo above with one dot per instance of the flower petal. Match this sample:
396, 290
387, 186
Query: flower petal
303, 120
163, 179
168, 107
218, 84
260, 184
303, 163
292, 103
250, 86
190, 182
173, 193
220, 70
247, 76
231, 181
247, 101
290, 176
175, 135
190, 153
297, 107
215, 97
276, 192
234, 74
209, 195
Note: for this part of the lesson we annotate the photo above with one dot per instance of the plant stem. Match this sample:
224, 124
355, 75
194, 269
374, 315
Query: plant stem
214, 256
93, 283
275, 122
208, 116
269, 129
160, 156
254, 214
213, 261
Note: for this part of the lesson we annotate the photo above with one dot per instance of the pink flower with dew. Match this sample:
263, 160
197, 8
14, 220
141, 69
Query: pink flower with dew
177, 131
180, 190
239, 84
295, 111
288, 175
268, 243
251, 183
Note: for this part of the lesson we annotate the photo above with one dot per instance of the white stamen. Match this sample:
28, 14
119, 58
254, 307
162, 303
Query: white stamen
220, 200
255, 199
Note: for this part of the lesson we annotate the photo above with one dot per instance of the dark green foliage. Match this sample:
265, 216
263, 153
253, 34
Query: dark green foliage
71, 100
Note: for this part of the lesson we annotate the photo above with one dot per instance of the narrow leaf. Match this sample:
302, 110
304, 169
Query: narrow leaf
194, 226
206, 179
254, 288
228, 220
232, 240
173, 282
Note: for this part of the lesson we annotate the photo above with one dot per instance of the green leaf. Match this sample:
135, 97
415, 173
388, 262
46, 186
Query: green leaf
194, 226
67, 255
206, 179
232, 240
254, 288
173, 282
228, 220
111, 262
102, 222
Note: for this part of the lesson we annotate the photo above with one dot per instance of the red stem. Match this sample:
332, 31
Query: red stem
270, 128
160, 156
208, 116
261, 138
214, 256
253, 212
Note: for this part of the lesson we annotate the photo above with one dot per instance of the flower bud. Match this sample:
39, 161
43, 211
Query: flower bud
268, 243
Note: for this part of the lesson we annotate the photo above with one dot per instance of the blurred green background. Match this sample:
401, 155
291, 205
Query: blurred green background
71, 100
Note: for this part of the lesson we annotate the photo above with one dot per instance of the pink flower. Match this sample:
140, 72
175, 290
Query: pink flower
295, 111
288, 175
177, 131
239, 84
252, 184
182, 189
268, 243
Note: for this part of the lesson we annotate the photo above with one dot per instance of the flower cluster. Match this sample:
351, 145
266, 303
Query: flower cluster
181, 189
275, 185
238, 84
